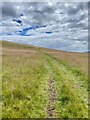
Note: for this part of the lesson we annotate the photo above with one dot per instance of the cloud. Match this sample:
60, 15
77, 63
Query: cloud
8, 10
48, 24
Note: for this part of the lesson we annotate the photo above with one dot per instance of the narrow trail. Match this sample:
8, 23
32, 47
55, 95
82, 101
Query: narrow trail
62, 92
51, 98
53, 88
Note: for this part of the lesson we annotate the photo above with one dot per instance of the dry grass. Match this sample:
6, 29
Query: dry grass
25, 73
79, 60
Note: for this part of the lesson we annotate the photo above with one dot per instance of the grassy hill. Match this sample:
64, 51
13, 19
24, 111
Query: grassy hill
43, 83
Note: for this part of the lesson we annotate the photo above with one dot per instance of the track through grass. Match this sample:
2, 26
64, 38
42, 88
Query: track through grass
36, 84
69, 89
51, 99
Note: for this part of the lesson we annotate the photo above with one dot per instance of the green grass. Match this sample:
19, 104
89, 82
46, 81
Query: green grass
25, 73
24, 82
70, 103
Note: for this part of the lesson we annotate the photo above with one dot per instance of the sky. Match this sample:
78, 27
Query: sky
55, 25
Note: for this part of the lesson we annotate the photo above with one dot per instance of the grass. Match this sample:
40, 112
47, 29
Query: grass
25, 73
24, 79
70, 103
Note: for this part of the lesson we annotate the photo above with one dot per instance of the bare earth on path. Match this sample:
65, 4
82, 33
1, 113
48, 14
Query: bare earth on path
51, 98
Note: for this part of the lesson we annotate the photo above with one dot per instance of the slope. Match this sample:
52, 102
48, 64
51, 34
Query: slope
43, 83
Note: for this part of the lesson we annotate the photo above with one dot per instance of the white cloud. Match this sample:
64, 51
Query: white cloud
68, 23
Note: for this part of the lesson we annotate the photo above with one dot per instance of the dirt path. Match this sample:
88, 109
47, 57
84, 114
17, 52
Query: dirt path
51, 98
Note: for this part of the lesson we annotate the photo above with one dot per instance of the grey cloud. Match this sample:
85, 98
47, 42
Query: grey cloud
67, 22
73, 8
40, 12
8, 10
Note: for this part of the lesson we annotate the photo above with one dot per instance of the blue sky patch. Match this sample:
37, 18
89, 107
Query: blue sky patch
48, 32
18, 21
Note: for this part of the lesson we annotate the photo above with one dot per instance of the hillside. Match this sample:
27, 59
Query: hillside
43, 83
